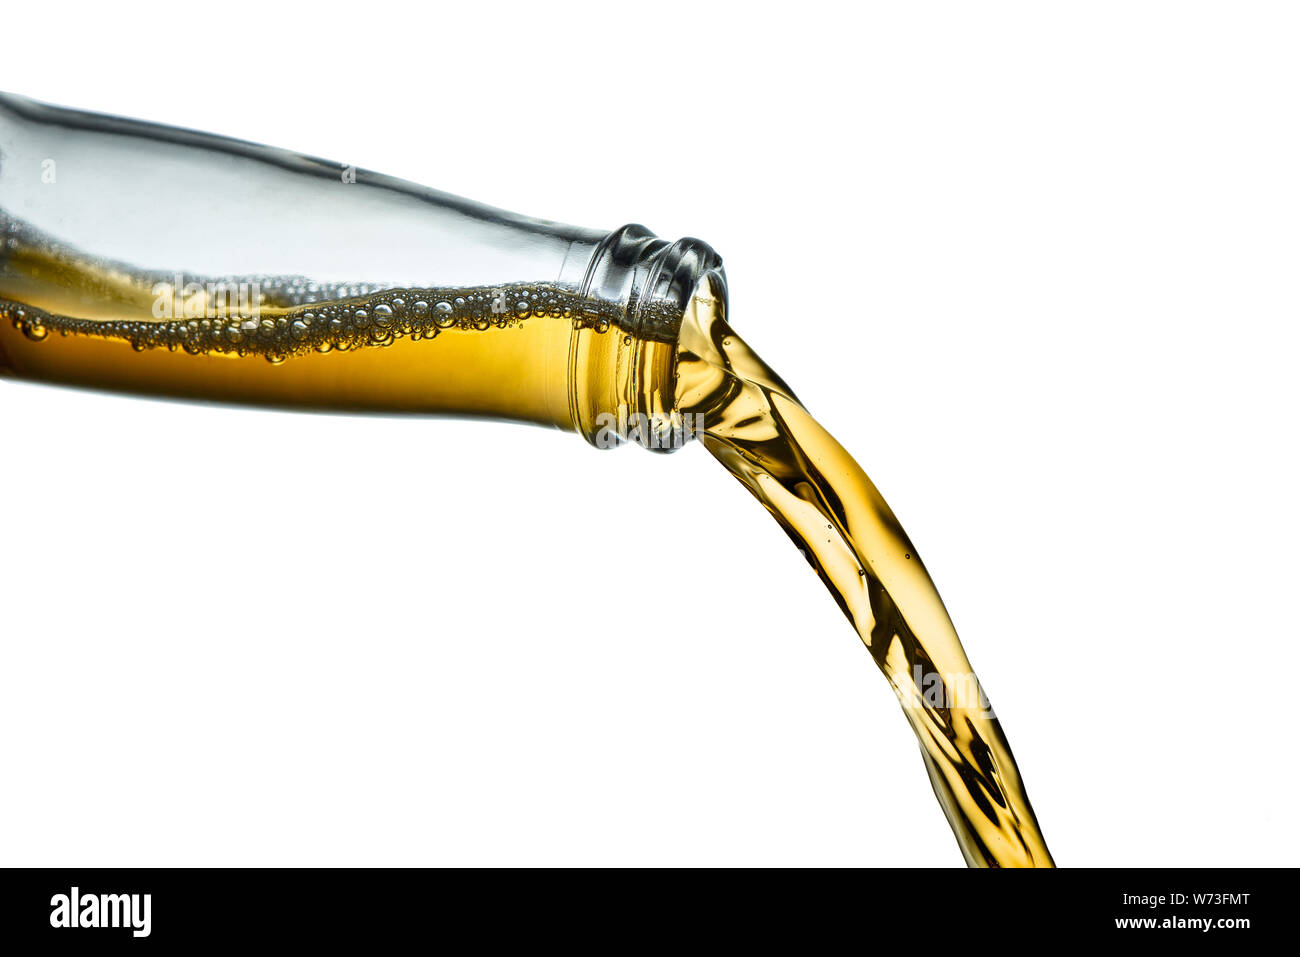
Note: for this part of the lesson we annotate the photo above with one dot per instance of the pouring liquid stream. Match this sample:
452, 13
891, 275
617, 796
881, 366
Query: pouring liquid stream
763, 436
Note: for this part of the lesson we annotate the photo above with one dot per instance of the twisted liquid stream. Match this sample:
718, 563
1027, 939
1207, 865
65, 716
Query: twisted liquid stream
764, 437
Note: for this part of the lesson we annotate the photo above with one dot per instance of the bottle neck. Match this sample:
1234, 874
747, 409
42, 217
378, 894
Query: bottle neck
622, 384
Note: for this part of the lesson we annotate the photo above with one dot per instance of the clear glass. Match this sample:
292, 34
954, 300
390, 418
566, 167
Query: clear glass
161, 260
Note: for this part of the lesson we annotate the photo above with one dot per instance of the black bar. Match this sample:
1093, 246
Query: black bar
932, 908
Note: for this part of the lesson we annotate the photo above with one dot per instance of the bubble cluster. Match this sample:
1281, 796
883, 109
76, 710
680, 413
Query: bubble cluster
31, 323
373, 319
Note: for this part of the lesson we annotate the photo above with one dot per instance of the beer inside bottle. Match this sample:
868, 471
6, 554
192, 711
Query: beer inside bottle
165, 262
162, 261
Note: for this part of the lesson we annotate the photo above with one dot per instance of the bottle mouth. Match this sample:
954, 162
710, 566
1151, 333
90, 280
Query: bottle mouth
650, 280
625, 390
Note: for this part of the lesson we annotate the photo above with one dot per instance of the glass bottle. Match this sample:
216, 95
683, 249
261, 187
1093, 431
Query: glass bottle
158, 260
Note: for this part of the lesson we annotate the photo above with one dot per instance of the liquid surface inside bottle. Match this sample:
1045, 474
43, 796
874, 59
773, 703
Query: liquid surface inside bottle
756, 428
504, 351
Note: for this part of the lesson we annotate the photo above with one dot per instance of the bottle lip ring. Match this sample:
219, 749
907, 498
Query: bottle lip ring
647, 279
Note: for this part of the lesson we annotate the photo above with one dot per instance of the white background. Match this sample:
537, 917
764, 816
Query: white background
1034, 264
